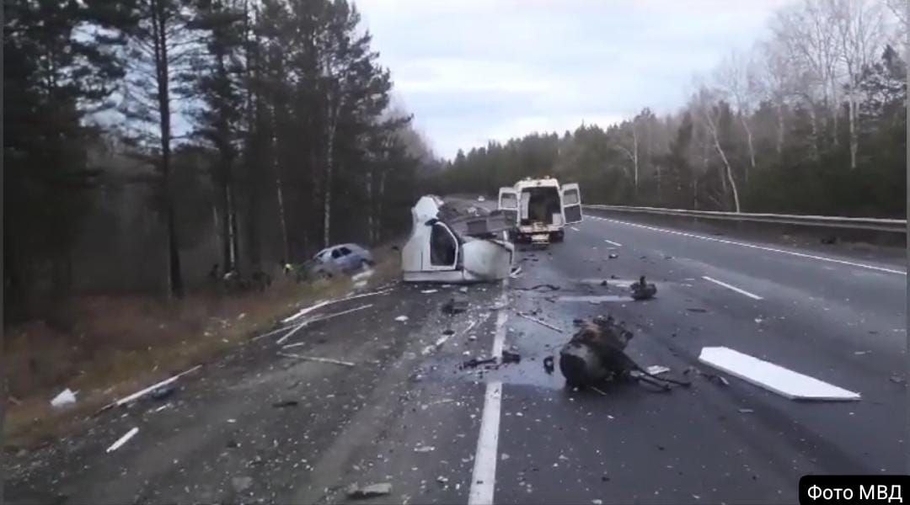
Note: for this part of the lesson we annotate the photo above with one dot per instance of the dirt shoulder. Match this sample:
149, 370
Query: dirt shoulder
105, 347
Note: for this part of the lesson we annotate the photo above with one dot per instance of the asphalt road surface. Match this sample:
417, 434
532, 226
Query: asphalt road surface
408, 415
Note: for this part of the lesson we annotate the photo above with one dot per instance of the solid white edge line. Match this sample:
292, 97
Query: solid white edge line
733, 288
483, 476
617, 244
763, 248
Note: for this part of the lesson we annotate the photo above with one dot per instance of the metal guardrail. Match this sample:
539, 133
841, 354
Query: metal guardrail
856, 223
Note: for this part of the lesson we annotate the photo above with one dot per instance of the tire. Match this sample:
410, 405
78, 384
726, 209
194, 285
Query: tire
556, 237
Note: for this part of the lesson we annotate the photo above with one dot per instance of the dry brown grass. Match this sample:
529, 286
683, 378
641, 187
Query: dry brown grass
106, 347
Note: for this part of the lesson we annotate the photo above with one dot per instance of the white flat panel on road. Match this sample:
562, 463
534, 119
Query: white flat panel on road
777, 379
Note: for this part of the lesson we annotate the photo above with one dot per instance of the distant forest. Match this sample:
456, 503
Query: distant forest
147, 140
812, 120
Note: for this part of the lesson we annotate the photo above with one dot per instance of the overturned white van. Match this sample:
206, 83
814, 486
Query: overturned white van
455, 248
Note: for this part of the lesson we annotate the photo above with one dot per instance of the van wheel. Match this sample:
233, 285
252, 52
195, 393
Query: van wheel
556, 237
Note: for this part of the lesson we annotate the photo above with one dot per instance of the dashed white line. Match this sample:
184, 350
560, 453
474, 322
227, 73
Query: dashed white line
763, 248
617, 244
483, 477
733, 288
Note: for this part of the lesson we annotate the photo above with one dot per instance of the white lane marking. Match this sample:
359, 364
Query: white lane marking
575, 229
483, 478
595, 298
617, 244
763, 248
734, 288
775, 378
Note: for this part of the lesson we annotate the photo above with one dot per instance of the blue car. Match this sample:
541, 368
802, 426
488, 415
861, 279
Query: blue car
341, 259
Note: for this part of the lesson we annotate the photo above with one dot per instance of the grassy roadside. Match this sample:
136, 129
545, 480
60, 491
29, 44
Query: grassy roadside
113, 346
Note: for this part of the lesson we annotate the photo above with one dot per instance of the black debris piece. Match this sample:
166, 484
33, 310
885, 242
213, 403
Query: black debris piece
578, 322
448, 331
510, 357
642, 290
548, 364
696, 309
474, 362
604, 283
163, 392
596, 353
540, 287
829, 240
613, 256
455, 306
285, 403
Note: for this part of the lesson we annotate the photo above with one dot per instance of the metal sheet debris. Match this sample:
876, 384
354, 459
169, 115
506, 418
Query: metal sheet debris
153, 387
538, 321
358, 493
308, 322
316, 359
122, 440
325, 303
775, 378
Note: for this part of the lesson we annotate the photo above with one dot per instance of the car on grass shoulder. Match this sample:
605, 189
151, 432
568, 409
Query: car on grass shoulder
340, 259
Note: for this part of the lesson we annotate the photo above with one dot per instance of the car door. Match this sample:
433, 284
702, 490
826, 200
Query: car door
347, 259
571, 203
441, 250
508, 203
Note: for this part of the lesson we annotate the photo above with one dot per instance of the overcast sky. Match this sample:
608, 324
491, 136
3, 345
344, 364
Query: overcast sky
474, 70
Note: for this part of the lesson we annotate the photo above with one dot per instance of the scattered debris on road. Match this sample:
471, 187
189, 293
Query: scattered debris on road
429, 291
122, 440
897, 379
697, 309
356, 492
538, 321
401, 319
657, 369
326, 317
746, 411
642, 290
64, 398
139, 394
516, 272
774, 378
424, 448
324, 303
613, 256
596, 354
316, 359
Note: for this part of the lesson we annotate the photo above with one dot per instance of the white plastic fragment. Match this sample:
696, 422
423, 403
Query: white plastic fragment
777, 379
657, 369
122, 440
401, 319
66, 397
